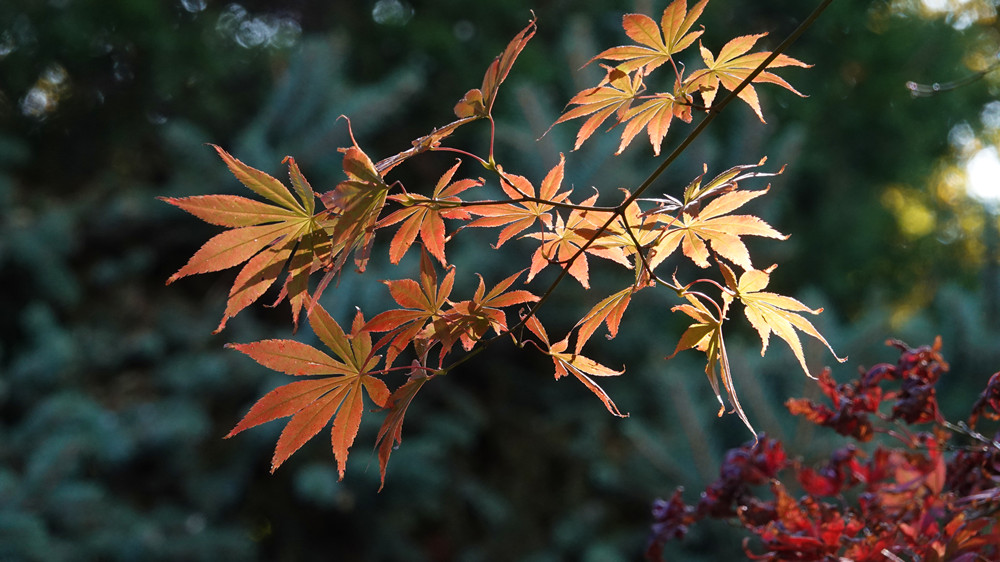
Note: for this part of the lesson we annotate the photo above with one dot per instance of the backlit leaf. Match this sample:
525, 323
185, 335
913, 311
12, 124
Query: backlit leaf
356, 204
560, 245
260, 183
422, 303
390, 435
312, 403
231, 211
264, 235
773, 313
694, 230
656, 47
609, 311
705, 335
470, 320
732, 66
425, 216
654, 115
613, 96
583, 368
500, 67
233, 247
518, 217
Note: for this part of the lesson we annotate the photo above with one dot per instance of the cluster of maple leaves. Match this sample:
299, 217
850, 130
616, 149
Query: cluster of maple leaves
289, 234
933, 497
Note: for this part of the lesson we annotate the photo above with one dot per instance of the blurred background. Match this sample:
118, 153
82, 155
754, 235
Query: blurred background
114, 394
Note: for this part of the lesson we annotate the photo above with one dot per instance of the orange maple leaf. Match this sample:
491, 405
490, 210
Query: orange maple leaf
356, 204
614, 95
654, 48
528, 209
390, 435
631, 230
732, 67
312, 403
425, 216
609, 311
563, 242
478, 102
583, 368
422, 302
266, 236
655, 115
469, 320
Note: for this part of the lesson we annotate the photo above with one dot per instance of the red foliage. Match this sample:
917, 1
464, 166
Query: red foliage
934, 497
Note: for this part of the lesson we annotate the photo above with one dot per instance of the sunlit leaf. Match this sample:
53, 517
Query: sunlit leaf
312, 403
613, 96
773, 313
562, 244
425, 216
263, 235
712, 225
390, 435
656, 44
583, 368
733, 66
705, 335
518, 217
422, 302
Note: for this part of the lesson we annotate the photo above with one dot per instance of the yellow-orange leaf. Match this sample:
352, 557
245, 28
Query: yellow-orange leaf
655, 115
695, 230
390, 435
609, 311
733, 66
656, 44
422, 302
517, 217
583, 368
773, 313
261, 234
425, 216
564, 241
356, 203
481, 104
705, 335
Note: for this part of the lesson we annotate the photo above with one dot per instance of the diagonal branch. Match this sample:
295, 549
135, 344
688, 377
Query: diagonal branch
694, 134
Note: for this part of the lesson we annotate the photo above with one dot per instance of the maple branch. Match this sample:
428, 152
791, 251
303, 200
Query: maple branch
482, 345
493, 134
717, 108
638, 252
431, 371
670, 159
